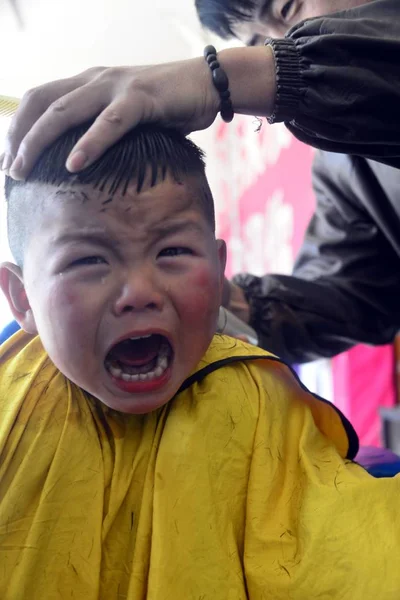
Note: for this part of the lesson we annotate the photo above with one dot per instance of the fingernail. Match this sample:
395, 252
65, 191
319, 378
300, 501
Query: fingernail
16, 167
7, 160
77, 161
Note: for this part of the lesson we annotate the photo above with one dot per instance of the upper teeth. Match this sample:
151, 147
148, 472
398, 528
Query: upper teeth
141, 337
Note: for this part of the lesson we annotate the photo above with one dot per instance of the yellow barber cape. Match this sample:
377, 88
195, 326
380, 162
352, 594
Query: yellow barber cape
238, 488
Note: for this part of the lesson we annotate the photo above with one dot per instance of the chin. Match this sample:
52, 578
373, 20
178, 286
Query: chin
135, 406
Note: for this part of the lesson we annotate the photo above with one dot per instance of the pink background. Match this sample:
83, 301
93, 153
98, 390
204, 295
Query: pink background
264, 201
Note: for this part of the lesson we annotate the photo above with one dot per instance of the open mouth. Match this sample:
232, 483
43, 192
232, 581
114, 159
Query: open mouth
142, 359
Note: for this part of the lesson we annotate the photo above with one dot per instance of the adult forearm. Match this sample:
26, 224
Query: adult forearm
302, 320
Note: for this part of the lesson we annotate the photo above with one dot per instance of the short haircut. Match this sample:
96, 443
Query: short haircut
221, 16
145, 150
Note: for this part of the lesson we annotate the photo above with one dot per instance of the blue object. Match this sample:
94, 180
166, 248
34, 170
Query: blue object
379, 462
8, 331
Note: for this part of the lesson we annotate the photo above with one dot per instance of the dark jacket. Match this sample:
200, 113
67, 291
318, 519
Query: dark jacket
339, 90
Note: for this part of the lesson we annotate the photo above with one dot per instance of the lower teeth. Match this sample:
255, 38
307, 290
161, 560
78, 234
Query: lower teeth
161, 366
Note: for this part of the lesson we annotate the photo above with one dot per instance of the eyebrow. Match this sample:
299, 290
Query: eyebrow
252, 41
102, 238
94, 236
175, 227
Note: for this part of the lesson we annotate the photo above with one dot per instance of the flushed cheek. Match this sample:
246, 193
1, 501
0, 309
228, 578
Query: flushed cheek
199, 296
204, 278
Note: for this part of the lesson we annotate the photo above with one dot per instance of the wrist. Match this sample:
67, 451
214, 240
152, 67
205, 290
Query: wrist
251, 74
205, 76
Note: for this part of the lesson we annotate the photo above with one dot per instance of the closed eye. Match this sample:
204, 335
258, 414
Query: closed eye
88, 260
175, 251
256, 40
286, 9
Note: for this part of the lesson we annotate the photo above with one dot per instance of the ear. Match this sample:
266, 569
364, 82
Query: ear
12, 284
221, 249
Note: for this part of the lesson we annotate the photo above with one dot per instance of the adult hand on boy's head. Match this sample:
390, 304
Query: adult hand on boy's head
179, 95
120, 98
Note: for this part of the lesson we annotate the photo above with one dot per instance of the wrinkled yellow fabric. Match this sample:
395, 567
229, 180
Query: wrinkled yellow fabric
229, 492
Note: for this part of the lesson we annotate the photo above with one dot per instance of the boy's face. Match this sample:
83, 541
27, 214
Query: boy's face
124, 292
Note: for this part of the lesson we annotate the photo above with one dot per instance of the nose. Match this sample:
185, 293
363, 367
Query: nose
138, 292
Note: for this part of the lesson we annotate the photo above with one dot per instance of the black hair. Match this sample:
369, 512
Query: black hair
145, 150
220, 16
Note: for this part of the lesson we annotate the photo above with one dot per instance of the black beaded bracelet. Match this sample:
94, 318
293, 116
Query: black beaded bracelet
221, 83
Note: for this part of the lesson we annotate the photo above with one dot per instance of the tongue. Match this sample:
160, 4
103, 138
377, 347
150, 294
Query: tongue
136, 353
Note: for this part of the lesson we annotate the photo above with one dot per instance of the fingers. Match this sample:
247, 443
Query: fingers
120, 98
112, 123
32, 105
76, 107
71, 109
